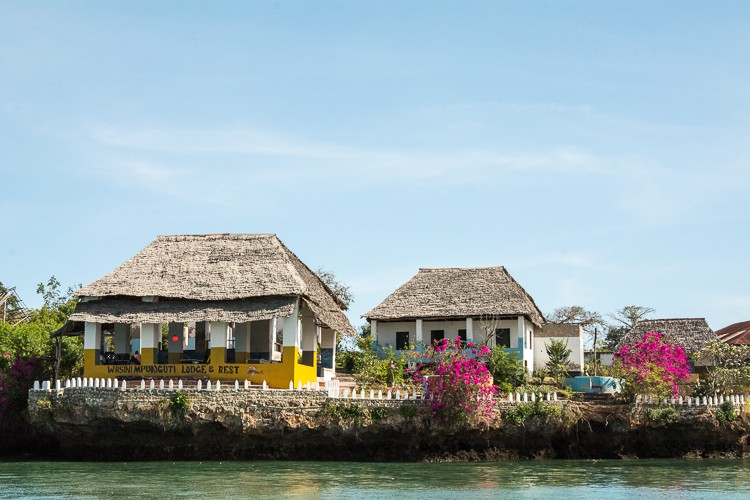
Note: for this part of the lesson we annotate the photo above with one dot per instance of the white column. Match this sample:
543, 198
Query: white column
328, 341
122, 338
469, 330
150, 335
374, 330
219, 334
308, 338
271, 337
522, 332
291, 328
420, 336
92, 335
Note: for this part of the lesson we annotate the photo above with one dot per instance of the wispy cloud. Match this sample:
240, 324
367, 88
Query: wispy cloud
370, 165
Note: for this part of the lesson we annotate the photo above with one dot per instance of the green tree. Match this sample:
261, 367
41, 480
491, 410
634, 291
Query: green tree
559, 359
507, 369
337, 287
728, 367
590, 321
624, 321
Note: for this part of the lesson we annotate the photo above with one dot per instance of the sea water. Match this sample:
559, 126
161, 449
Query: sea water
545, 479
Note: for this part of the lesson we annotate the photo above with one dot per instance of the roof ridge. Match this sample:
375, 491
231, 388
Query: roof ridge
668, 319
459, 268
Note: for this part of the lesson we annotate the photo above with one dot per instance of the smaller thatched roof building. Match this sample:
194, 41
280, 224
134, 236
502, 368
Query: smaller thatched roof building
735, 334
447, 293
690, 333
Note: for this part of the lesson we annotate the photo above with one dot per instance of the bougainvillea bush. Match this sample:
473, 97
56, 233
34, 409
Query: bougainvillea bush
652, 365
15, 385
459, 387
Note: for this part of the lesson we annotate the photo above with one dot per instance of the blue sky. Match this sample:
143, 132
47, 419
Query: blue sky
598, 150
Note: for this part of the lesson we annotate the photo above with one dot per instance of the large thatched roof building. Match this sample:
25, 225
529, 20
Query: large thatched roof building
484, 304
227, 277
735, 334
238, 289
690, 333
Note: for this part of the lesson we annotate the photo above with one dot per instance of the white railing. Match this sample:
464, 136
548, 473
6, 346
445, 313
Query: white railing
736, 399
334, 390
169, 385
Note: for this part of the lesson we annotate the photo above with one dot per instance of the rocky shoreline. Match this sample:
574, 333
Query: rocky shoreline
99, 424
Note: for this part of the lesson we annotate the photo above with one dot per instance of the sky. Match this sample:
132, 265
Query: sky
599, 150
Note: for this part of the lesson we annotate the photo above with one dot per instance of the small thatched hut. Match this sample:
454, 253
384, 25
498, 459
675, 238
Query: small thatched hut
227, 306
690, 333
479, 304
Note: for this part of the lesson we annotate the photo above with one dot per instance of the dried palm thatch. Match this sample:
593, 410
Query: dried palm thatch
134, 310
690, 333
211, 277
458, 293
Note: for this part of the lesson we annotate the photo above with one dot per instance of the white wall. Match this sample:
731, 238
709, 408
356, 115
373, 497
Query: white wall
575, 344
387, 332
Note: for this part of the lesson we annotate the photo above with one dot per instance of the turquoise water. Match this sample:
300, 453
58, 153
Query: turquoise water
610, 479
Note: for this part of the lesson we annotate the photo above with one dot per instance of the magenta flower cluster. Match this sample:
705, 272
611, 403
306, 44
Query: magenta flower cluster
459, 387
653, 361
15, 384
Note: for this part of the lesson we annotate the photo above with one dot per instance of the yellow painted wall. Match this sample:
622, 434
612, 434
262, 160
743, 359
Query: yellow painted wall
276, 375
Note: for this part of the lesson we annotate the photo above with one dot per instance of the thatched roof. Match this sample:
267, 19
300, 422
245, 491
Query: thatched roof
690, 333
215, 276
134, 310
458, 293
736, 334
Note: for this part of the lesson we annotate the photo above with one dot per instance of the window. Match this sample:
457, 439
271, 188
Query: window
402, 340
462, 336
436, 335
502, 337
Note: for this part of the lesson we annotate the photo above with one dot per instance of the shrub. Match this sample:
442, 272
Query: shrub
179, 402
652, 366
726, 412
558, 353
408, 411
15, 385
379, 413
344, 411
460, 388
507, 369
520, 414
662, 416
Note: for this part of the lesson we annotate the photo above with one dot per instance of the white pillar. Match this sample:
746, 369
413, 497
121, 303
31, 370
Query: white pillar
374, 330
271, 337
308, 338
92, 335
420, 335
469, 330
219, 334
150, 335
522, 333
291, 328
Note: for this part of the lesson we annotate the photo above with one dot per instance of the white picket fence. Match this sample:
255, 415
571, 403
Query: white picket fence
335, 391
171, 385
736, 399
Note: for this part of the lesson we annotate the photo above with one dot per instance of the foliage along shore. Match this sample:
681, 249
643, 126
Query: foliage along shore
91, 424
